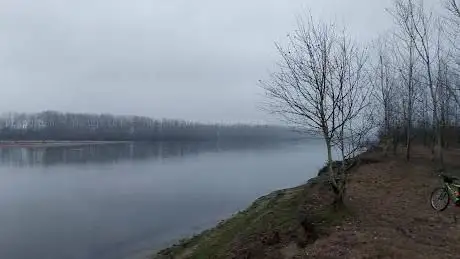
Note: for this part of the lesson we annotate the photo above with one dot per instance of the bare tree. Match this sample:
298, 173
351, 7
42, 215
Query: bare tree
382, 79
404, 61
406, 66
419, 29
454, 8
423, 97
453, 19
319, 86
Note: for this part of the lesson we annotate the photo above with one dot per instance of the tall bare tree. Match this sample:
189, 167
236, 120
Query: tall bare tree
382, 79
419, 27
453, 19
404, 48
319, 86
406, 69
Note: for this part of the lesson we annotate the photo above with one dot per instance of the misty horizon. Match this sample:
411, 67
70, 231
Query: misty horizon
197, 61
15, 115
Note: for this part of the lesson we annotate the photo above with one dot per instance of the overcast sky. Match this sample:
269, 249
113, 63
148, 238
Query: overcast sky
197, 60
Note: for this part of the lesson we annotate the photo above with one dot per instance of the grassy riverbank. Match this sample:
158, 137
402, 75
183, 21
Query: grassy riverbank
388, 216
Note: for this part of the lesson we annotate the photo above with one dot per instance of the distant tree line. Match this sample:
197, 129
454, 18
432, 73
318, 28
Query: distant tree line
52, 125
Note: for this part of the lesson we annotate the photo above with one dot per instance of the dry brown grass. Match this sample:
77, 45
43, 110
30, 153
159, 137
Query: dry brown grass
393, 216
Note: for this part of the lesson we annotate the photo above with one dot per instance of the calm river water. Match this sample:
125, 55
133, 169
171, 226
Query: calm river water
113, 201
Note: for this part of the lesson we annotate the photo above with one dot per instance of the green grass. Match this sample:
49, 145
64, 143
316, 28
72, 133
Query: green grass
277, 210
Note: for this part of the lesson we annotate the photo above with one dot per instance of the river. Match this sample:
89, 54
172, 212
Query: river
114, 201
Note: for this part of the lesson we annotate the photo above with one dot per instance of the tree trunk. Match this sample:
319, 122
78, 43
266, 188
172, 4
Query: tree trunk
433, 142
408, 134
425, 136
329, 163
408, 147
395, 141
440, 153
338, 199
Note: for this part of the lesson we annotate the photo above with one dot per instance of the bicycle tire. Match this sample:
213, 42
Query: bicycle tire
443, 207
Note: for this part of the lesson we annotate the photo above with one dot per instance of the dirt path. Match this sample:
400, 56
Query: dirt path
393, 217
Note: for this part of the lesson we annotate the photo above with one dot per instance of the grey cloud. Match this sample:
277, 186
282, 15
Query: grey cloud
197, 60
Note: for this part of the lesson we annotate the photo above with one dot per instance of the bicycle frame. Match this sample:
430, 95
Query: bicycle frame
453, 188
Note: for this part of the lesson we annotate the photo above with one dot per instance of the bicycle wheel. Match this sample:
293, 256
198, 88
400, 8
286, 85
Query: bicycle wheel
440, 199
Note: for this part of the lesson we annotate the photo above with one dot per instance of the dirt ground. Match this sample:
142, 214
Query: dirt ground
392, 213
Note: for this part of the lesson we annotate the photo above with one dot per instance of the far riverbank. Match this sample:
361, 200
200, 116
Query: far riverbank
52, 143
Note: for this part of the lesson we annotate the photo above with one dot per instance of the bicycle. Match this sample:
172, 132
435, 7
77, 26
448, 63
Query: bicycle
442, 196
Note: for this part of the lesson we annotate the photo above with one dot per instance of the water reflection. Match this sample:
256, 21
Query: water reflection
113, 153
99, 211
